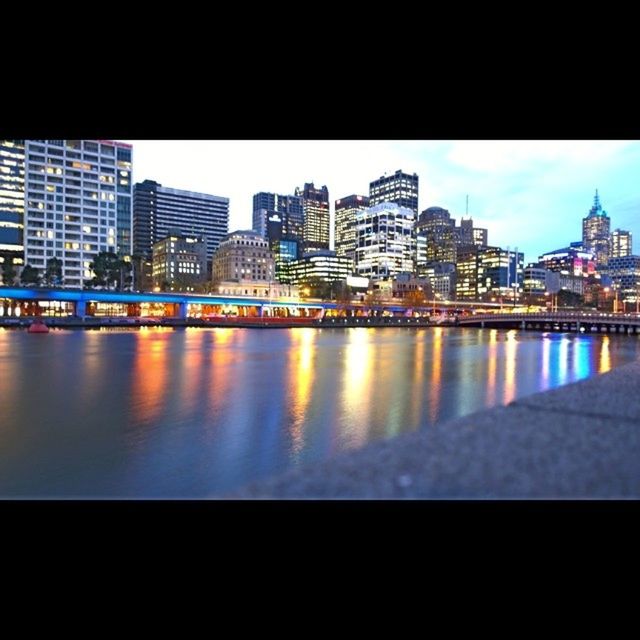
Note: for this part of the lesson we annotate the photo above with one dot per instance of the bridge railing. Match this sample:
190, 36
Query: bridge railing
554, 316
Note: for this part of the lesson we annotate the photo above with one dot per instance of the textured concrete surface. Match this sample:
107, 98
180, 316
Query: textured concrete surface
577, 441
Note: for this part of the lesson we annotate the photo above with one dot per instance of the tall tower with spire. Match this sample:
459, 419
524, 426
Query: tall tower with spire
596, 232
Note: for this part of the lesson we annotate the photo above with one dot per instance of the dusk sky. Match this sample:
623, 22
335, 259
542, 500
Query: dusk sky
529, 194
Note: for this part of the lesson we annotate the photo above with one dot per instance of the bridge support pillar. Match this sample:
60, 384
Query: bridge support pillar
578, 326
182, 310
482, 324
81, 309
522, 325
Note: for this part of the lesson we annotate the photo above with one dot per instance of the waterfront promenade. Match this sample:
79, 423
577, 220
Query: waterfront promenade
577, 441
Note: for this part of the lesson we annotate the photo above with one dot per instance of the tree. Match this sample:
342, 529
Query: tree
53, 273
8, 271
341, 291
416, 298
208, 286
110, 270
569, 299
316, 287
29, 276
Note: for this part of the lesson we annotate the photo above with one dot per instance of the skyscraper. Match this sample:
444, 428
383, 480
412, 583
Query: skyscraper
316, 216
345, 234
11, 202
595, 232
400, 188
435, 234
158, 210
279, 219
278, 216
78, 203
621, 243
386, 245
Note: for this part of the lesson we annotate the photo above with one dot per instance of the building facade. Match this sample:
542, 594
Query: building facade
399, 188
243, 256
11, 205
345, 227
596, 233
317, 227
435, 237
409, 286
621, 243
386, 244
279, 219
569, 260
625, 276
78, 204
158, 210
179, 262
488, 273
278, 216
325, 265
273, 290
442, 277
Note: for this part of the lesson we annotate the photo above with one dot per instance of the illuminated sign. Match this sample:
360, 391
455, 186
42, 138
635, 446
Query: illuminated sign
354, 281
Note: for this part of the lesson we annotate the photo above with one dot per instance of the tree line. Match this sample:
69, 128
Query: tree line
110, 272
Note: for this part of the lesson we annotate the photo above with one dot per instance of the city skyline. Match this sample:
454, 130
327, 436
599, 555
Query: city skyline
529, 194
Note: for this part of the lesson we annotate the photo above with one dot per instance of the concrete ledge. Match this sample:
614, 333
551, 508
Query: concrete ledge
577, 441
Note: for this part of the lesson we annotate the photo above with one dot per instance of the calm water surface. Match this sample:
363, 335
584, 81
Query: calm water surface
197, 412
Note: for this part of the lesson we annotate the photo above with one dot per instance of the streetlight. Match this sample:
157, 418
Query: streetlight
554, 300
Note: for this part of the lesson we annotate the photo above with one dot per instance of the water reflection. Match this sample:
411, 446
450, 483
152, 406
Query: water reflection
188, 413
150, 375
301, 375
605, 356
581, 359
546, 359
358, 369
436, 374
492, 364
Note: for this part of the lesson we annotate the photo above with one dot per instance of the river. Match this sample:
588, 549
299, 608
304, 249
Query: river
195, 413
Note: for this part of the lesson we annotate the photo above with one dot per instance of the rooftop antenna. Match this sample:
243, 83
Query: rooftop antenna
467, 205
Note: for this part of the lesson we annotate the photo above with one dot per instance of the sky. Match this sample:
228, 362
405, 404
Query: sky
528, 194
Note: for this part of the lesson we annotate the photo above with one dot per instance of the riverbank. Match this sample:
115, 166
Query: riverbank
578, 441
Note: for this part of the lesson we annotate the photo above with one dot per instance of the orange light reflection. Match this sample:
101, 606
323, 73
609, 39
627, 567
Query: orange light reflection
605, 356
436, 373
301, 374
511, 348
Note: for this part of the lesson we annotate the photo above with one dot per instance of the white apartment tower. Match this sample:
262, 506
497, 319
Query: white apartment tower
78, 203
385, 243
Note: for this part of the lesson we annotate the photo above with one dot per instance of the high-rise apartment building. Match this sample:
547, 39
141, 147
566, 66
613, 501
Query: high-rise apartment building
78, 203
595, 232
345, 224
11, 203
621, 243
386, 245
400, 188
158, 210
316, 216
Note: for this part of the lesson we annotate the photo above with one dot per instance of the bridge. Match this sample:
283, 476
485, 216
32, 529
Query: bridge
557, 321
17, 302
